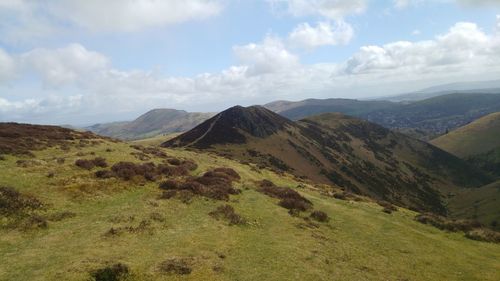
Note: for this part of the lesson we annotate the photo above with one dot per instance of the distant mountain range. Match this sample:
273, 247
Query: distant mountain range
423, 119
425, 114
152, 123
333, 148
483, 87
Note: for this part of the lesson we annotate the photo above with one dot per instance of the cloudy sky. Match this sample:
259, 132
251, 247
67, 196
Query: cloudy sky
86, 61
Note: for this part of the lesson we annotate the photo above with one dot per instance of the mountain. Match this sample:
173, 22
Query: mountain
154, 122
333, 148
425, 119
478, 137
483, 87
437, 115
309, 107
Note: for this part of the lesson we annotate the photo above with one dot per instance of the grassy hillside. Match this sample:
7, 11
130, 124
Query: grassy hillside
152, 123
482, 204
93, 224
356, 155
478, 137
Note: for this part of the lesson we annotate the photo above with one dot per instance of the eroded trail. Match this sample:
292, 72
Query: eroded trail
206, 133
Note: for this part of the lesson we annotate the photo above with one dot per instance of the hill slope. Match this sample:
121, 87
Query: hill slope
478, 137
154, 122
336, 149
90, 228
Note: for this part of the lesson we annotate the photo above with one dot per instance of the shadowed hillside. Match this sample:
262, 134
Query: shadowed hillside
356, 155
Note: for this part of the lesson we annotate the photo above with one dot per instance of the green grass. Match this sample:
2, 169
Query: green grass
478, 137
360, 242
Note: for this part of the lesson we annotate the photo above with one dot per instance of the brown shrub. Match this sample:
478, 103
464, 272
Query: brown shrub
89, 164
172, 171
168, 194
189, 165
483, 234
157, 217
114, 272
85, 164
100, 162
213, 184
228, 172
175, 266
295, 204
128, 170
174, 161
447, 224
170, 184
104, 174
21, 139
388, 207
150, 150
31, 222
320, 216
290, 199
13, 203
227, 212
344, 195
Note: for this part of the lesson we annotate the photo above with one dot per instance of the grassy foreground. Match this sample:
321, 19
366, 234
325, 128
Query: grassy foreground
360, 242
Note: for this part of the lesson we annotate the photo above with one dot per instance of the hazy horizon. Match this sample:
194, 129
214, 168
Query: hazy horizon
85, 62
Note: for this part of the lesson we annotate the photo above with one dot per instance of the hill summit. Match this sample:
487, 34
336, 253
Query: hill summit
233, 126
337, 149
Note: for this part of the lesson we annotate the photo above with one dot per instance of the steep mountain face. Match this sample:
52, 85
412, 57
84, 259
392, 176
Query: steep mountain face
154, 122
423, 119
232, 127
336, 149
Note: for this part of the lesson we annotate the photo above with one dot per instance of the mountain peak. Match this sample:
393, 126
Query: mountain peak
233, 125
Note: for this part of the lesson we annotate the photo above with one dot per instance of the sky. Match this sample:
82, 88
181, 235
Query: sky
89, 61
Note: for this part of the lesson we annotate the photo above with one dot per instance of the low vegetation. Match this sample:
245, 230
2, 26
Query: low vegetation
473, 229
289, 198
227, 213
115, 272
215, 184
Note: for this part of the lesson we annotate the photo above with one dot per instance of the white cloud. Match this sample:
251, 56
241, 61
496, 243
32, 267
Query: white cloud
267, 57
498, 24
479, 2
132, 15
324, 33
64, 65
464, 45
7, 66
267, 71
331, 9
27, 20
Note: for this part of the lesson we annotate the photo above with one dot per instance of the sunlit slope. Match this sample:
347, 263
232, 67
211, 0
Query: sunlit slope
478, 137
273, 245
